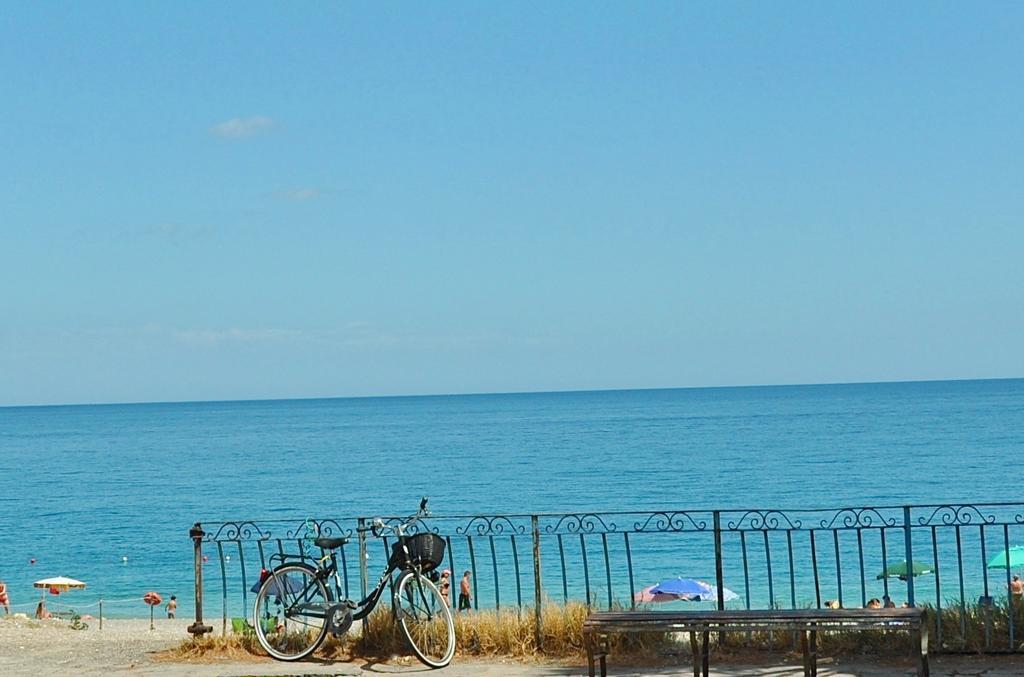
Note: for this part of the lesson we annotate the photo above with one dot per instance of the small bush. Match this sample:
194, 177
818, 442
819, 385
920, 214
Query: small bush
76, 621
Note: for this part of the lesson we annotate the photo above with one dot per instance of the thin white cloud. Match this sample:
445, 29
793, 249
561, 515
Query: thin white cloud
354, 335
211, 337
361, 334
301, 194
240, 128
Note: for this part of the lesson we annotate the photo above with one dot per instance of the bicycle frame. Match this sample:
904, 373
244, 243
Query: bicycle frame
366, 605
297, 603
327, 567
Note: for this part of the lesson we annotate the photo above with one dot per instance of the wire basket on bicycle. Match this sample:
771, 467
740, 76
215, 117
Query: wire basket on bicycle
425, 550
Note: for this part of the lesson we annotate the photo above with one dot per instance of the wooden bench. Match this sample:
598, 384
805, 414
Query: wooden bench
808, 622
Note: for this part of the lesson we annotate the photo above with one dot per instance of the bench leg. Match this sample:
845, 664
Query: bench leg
695, 651
705, 654
806, 653
922, 659
596, 650
814, 653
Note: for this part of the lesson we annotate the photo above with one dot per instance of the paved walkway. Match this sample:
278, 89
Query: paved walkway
127, 647
999, 666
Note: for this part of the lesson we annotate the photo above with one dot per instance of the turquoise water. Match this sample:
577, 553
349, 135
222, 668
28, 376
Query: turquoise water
82, 487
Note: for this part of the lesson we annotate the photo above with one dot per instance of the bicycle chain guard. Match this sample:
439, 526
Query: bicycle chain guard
339, 618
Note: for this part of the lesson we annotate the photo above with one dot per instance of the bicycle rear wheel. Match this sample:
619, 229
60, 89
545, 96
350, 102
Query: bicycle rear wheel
425, 619
290, 612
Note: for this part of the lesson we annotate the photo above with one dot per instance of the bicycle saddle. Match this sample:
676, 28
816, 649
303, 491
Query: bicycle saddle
330, 543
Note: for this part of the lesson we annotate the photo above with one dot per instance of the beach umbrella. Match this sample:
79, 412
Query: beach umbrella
648, 597
57, 585
60, 584
153, 600
685, 589
281, 583
900, 571
1016, 558
727, 594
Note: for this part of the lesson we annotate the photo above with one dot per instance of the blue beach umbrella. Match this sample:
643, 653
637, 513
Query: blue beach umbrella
691, 590
290, 585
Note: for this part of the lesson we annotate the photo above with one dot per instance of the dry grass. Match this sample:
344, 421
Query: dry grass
221, 648
509, 634
963, 629
239, 647
512, 634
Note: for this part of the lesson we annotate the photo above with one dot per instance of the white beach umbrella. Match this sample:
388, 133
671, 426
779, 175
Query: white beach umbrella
59, 583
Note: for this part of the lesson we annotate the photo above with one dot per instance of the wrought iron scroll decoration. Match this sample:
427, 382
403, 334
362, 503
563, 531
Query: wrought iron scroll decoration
237, 531
582, 523
852, 518
490, 526
957, 515
418, 528
764, 520
670, 521
326, 528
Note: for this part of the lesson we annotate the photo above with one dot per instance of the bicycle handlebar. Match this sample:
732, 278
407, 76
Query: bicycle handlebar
377, 525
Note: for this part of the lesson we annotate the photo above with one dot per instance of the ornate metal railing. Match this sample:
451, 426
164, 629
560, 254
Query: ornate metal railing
770, 558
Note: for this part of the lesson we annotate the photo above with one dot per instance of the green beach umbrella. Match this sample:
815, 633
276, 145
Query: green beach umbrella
900, 570
1016, 558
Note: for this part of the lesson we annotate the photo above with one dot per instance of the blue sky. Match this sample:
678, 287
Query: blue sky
255, 200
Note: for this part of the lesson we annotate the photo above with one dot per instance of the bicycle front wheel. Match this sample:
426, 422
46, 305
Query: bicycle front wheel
290, 612
425, 619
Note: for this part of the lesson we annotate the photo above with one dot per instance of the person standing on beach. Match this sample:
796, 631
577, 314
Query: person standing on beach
3, 598
1017, 587
172, 606
445, 587
464, 594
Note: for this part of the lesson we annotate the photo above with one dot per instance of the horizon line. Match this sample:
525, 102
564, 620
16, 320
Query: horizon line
509, 392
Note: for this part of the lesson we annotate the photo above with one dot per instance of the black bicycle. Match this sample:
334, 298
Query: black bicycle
295, 607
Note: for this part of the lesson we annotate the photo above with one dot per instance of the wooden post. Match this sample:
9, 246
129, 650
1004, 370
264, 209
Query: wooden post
695, 653
922, 658
101, 613
198, 629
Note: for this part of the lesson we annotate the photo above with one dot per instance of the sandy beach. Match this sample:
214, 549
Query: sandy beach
128, 647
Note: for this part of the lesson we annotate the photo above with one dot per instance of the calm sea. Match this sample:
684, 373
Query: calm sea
83, 487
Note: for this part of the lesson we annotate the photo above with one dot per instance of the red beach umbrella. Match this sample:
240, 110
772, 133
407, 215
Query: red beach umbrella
153, 599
